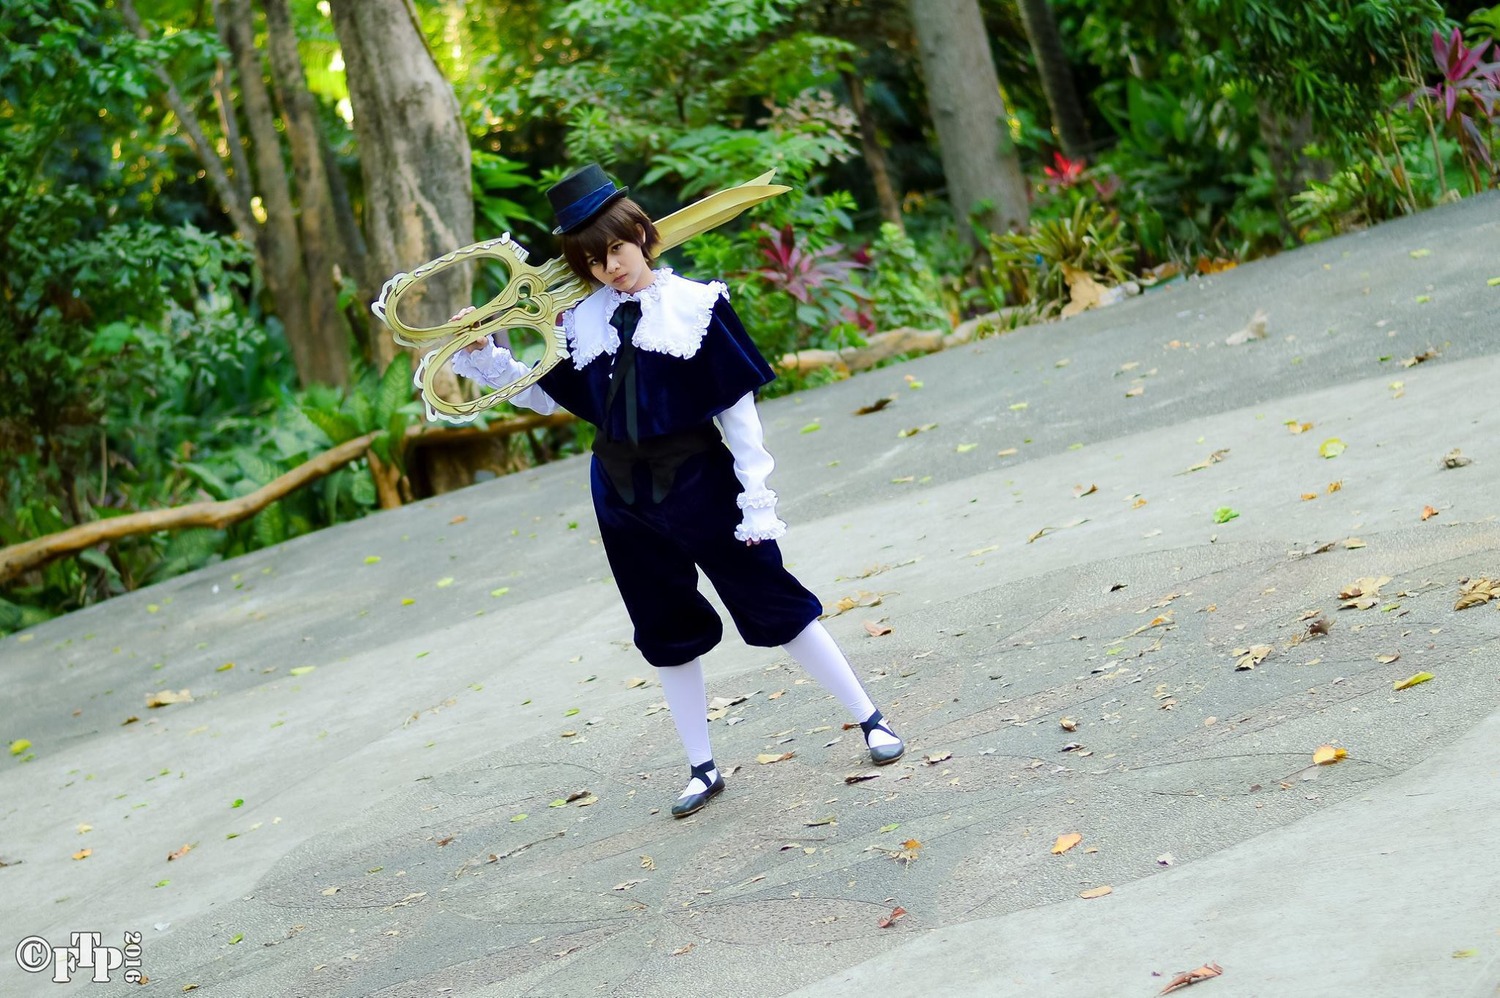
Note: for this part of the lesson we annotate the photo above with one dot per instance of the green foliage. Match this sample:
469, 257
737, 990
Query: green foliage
710, 95
904, 289
1092, 240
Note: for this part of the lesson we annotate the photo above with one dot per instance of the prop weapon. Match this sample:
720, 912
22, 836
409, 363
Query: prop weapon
532, 297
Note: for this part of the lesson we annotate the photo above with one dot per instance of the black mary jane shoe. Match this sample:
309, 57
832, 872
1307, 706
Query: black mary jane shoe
693, 803
882, 755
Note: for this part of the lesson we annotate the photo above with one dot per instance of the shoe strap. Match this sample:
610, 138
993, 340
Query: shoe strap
702, 771
875, 722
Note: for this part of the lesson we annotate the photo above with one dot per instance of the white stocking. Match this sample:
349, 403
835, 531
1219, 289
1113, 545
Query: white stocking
688, 699
816, 651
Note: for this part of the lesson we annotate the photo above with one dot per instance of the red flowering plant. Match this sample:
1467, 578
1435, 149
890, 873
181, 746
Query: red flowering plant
829, 305
1065, 173
1469, 97
1068, 181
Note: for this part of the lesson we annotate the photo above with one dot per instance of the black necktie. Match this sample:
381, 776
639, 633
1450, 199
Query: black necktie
625, 319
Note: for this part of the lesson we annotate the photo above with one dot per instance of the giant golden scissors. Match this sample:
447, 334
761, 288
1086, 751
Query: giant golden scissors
532, 297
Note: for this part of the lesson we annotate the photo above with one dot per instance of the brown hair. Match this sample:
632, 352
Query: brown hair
616, 223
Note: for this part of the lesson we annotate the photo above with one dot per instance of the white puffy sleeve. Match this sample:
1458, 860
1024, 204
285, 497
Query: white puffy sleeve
494, 366
752, 466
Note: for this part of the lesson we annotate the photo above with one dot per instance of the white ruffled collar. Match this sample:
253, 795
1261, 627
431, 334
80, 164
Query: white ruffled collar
674, 317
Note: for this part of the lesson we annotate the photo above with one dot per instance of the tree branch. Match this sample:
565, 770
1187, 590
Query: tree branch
238, 210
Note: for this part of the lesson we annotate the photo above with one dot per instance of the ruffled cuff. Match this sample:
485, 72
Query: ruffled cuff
494, 366
760, 523
491, 364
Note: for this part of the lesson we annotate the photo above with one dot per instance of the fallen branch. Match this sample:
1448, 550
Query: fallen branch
883, 346
422, 435
23, 557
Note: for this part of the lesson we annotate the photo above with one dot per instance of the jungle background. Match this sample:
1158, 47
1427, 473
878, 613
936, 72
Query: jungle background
200, 198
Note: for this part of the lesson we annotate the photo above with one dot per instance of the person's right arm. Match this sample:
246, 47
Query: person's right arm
493, 365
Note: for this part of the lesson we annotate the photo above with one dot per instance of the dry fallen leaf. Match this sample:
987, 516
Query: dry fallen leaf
886, 921
853, 778
180, 852
1255, 329
861, 598
1079, 491
1361, 594
1193, 976
1295, 427
1249, 658
166, 697
875, 406
1388, 659
1455, 459
1421, 358
1084, 292
1068, 724
877, 629
681, 950
1066, 842
1477, 591
83, 854
1411, 681
1428, 513
1212, 459
766, 758
1327, 755
1096, 892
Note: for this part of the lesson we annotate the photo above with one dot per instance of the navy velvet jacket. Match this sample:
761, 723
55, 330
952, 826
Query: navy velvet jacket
674, 392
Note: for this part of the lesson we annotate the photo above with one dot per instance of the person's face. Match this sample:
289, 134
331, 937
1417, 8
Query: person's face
624, 267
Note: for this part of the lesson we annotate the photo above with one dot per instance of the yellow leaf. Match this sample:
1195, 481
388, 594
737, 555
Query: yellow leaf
225, 667
1309, 496
408, 601
1326, 755
1066, 842
83, 854
19, 745
1332, 447
1097, 892
1411, 681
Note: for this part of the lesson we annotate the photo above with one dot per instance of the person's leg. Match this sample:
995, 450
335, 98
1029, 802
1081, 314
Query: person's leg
674, 625
816, 651
687, 698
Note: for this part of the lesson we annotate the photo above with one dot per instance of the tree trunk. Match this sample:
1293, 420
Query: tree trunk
869, 140
979, 159
281, 247
316, 222
414, 156
1057, 77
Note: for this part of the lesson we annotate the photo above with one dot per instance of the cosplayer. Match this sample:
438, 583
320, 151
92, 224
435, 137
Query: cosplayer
662, 367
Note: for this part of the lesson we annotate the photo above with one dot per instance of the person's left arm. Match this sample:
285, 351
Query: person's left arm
745, 438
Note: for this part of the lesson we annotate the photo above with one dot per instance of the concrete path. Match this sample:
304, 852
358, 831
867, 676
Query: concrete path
421, 757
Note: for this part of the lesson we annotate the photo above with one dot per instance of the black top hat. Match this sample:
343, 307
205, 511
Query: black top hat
581, 195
